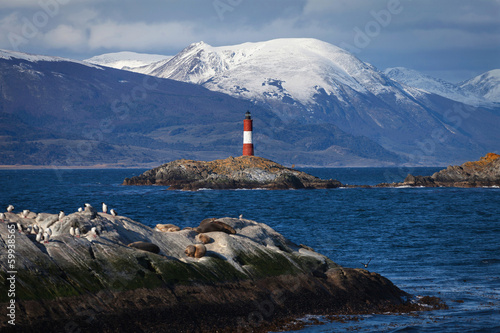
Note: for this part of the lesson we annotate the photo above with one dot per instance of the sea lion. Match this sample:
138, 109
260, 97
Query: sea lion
212, 226
145, 246
167, 228
190, 250
196, 251
203, 238
201, 250
205, 221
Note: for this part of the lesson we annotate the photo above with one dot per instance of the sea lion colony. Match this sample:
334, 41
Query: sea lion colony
42, 234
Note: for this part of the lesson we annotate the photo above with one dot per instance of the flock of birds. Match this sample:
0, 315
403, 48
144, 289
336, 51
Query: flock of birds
43, 236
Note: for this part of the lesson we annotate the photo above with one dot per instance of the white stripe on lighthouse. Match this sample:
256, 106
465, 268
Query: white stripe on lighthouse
247, 136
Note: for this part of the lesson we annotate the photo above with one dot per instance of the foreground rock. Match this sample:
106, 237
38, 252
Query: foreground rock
247, 172
482, 173
253, 279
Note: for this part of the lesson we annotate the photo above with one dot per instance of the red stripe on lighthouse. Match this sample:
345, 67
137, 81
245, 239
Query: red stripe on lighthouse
247, 135
247, 125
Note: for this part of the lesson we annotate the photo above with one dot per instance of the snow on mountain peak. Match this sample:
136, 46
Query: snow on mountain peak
126, 59
433, 85
6, 54
486, 85
279, 68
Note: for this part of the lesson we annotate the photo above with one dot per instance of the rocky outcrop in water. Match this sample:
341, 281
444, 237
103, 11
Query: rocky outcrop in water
482, 173
247, 172
111, 279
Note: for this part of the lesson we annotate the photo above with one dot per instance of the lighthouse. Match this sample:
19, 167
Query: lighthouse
247, 135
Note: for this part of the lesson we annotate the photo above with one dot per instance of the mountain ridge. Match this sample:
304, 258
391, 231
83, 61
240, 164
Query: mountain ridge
313, 82
436, 86
61, 112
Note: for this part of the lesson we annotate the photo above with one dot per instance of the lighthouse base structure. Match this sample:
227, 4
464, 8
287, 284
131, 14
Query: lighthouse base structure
248, 149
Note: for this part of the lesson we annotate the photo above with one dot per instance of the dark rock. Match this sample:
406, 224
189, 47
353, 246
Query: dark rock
426, 181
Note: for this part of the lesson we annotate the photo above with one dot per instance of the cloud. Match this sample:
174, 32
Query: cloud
140, 35
433, 29
65, 37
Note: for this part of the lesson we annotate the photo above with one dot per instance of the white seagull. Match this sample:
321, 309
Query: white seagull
2, 217
61, 215
26, 212
10, 208
80, 209
46, 237
104, 208
94, 233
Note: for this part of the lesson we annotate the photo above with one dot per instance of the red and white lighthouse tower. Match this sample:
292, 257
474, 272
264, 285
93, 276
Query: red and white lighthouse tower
247, 135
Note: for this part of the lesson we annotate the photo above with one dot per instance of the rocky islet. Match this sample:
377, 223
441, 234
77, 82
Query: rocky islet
248, 172
247, 277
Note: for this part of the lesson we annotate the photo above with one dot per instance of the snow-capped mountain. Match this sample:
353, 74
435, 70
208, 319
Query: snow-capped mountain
486, 85
283, 69
126, 60
433, 85
313, 82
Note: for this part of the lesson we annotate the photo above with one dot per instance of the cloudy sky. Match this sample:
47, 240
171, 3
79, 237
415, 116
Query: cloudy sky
451, 39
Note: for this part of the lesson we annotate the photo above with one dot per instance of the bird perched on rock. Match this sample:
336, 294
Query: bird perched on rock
28, 229
39, 237
19, 227
77, 232
36, 229
10, 208
49, 231
72, 231
61, 215
2, 217
46, 237
80, 209
104, 208
26, 212
113, 212
87, 205
93, 233
241, 217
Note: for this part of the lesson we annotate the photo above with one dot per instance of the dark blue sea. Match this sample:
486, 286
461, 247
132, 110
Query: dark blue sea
442, 242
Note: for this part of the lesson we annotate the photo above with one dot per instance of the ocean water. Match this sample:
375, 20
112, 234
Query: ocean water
442, 242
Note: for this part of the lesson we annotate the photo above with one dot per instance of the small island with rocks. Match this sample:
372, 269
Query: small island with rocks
482, 173
243, 172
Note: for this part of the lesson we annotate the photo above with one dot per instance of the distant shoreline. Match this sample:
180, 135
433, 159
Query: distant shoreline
74, 167
150, 166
